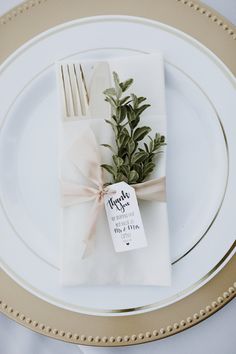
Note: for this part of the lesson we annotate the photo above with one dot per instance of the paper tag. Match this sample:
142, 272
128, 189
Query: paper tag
124, 218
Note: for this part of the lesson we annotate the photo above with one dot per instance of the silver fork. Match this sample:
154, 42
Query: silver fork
74, 93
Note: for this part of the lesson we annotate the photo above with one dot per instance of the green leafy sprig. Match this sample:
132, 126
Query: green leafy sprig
132, 163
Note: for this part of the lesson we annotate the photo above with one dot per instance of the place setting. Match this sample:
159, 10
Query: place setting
117, 158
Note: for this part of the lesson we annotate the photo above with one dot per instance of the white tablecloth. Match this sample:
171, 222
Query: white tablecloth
214, 335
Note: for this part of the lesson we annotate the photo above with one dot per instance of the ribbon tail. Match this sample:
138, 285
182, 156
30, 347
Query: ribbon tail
73, 193
89, 238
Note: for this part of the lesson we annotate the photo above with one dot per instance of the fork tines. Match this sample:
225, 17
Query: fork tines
73, 91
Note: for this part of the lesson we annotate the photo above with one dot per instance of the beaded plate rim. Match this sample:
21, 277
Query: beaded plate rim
196, 6
14, 306
138, 338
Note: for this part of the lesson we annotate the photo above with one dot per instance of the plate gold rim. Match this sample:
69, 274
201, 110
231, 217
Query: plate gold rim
23, 23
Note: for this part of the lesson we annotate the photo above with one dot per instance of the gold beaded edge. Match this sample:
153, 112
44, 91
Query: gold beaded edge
19, 10
151, 335
195, 7
140, 337
212, 16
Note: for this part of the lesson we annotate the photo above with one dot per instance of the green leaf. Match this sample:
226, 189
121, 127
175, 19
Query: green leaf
118, 112
135, 100
124, 131
141, 99
148, 168
126, 84
140, 133
120, 178
126, 141
123, 139
146, 147
125, 169
163, 139
124, 100
116, 78
122, 152
109, 169
133, 176
110, 92
130, 113
135, 123
117, 84
139, 157
118, 161
151, 144
131, 146
111, 101
141, 109
122, 113
139, 168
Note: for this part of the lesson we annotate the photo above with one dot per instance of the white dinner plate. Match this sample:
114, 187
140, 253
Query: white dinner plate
200, 98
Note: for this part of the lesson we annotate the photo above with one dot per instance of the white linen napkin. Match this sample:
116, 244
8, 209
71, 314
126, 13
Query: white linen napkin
146, 266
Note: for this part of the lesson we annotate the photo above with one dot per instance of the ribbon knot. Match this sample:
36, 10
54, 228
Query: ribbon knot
102, 192
89, 164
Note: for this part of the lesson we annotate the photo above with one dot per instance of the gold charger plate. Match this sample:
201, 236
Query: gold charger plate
22, 24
